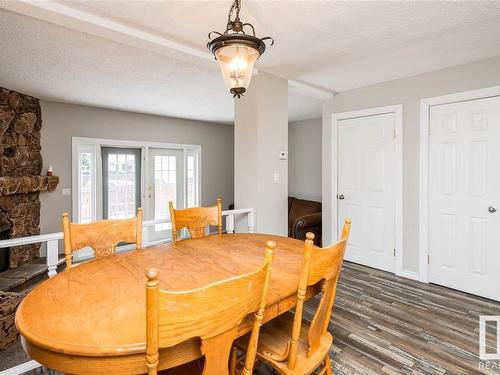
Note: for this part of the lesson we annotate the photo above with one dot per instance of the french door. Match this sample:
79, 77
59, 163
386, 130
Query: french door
111, 179
121, 182
165, 183
464, 196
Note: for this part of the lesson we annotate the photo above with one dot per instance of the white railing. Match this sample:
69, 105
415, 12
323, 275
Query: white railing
22, 368
52, 241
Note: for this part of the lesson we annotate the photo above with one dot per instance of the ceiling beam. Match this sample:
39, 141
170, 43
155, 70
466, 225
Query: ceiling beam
64, 15
310, 90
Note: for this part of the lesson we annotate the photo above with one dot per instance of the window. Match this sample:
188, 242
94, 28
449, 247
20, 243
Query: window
121, 186
165, 187
86, 197
192, 180
121, 175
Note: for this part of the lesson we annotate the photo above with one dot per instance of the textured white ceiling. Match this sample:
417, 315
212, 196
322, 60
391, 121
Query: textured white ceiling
329, 44
53, 62
338, 45
56, 63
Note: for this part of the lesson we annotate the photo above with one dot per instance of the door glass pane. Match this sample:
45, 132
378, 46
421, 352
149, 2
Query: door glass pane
121, 186
85, 188
165, 187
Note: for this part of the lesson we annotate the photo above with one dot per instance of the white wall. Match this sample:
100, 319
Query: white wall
261, 131
63, 121
304, 159
409, 92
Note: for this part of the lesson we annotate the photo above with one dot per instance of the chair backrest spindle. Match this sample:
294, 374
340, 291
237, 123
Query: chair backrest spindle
259, 315
344, 237
318, 264
301, 295
152, 312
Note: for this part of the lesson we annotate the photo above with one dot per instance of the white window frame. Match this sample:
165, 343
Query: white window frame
80, 144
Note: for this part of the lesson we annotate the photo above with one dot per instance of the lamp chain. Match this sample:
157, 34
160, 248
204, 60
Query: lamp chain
235, 6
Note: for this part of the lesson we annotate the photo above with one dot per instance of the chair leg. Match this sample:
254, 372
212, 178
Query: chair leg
328, 365
233, 360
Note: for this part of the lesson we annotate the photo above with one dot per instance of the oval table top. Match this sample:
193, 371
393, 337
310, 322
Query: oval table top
98, 308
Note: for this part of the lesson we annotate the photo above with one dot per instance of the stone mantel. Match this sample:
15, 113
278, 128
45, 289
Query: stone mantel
27, 184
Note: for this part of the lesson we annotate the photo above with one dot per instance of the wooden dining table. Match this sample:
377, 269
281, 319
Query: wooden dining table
92, 318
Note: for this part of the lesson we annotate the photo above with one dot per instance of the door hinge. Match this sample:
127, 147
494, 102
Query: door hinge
394, 253
428, 259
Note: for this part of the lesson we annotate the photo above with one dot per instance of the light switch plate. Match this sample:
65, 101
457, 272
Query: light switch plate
66, 191
283, 155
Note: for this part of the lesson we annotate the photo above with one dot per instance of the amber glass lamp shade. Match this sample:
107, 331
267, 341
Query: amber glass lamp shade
236, 63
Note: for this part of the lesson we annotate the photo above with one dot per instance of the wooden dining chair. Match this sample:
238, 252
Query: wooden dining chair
195, 219
291, 345
211, 313
102, 236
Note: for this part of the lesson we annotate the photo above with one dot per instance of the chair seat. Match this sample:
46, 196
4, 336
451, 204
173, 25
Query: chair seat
274, 337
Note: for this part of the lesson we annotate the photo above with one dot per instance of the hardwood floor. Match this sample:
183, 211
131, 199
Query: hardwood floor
384, 324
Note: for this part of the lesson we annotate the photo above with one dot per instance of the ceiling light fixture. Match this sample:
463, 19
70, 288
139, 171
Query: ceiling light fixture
237, 51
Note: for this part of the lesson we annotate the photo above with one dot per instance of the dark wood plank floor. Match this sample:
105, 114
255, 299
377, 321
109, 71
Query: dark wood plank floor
384, 324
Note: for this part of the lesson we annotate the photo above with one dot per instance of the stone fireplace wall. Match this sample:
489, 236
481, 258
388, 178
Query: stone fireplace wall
20, 169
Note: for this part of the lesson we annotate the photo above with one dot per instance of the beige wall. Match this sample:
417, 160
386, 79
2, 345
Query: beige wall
409, 92
261, 131
304, 159
63, 121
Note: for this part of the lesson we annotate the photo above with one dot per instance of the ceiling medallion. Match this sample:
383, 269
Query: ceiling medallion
236, 51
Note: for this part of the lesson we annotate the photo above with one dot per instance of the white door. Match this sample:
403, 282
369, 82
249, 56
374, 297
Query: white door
166, 183
464, 193
366, 188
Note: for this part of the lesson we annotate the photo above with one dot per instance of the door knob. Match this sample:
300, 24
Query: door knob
492, 209
341, 197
